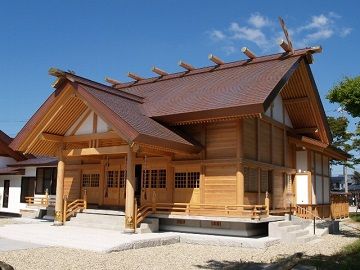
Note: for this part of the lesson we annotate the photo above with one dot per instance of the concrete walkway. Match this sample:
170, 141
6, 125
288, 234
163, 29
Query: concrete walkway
100, 240
9, 245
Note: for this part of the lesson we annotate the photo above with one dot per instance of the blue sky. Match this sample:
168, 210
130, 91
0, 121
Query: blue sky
110, 38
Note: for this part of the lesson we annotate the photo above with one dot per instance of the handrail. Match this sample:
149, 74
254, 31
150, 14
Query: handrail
70, 209
311, 213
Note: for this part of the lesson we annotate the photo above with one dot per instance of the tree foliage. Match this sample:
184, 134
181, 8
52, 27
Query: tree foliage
347, 94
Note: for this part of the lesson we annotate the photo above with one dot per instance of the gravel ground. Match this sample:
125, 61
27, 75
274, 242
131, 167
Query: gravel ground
177, 256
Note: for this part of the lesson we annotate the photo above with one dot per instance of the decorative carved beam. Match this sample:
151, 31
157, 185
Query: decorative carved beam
134, 76
295, 100
123, 149
307, 130
159, 71
186, 65
216, 59
248, 53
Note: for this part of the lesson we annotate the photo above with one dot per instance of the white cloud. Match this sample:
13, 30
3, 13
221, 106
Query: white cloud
345, 31
321, 34
217, 35
259, 30
229, 49
247, 33
259, 21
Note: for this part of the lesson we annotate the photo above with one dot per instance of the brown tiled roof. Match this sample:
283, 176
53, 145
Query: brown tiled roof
11, 171
129, 116
5, 149
38, 161
141, 109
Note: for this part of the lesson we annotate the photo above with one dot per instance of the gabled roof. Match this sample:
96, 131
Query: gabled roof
5, 149
143, 111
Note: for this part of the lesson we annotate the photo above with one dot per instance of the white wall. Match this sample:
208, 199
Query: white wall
302, 196
301, 161
14, 204
5, 161
278, 110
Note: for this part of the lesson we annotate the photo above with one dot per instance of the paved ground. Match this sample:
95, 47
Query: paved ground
9, 245
174, 256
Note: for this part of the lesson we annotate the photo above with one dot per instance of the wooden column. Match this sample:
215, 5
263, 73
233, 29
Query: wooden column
59, 189
240, 188
130, 192
102, 182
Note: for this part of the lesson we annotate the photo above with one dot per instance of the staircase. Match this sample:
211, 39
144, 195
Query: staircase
98, 218
290, 232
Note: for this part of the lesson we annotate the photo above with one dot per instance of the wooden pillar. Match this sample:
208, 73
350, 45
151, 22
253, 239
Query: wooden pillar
130, 192
102, 182
59, 189
240, 186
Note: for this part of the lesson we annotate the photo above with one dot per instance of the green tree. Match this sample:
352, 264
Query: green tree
357, 177
347, 94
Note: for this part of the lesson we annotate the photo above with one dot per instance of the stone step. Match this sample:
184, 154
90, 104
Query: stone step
283, 223
306, 238
291, 228
298, 233
118, 227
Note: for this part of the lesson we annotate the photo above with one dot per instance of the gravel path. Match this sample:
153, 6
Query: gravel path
177, 256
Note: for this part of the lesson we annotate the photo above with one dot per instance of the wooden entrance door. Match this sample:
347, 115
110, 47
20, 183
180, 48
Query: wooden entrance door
91, 182
27, 188
114, 186
6, 194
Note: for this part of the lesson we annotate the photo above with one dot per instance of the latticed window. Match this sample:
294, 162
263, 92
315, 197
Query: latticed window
90, 180
122, 179
112, 178
95, 177
193, 179
264, 181
146, 178
86, 180
153, 178
162, 179
251, 179
180, 179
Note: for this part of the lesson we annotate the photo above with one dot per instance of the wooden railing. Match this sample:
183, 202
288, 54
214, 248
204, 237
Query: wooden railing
70, 209
339, 205
337, 208
40, 201
243, 211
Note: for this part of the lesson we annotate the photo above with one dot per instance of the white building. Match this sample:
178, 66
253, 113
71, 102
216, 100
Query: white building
23, 176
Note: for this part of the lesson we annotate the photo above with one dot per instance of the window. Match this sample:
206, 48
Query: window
146, 178
193, 179
46, 180
122, 179
162, 179
154, 178
27, 188
90, 180
187, 179
266, 181
251, 179
180, 180
112, 178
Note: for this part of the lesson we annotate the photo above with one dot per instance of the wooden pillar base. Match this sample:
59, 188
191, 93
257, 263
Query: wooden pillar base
129, 231
58, 218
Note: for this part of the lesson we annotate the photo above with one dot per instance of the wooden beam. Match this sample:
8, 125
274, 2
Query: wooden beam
134, 76
248, 53
216, 59
123, 149
296, 100
307, 130
112, 81
51, 137
159, 71
285, 46
186, 65
87, 137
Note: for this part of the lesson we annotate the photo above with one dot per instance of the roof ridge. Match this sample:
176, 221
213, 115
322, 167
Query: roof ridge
232, 64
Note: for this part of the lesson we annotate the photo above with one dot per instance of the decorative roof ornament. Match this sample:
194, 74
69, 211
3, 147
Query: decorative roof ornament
289, 47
